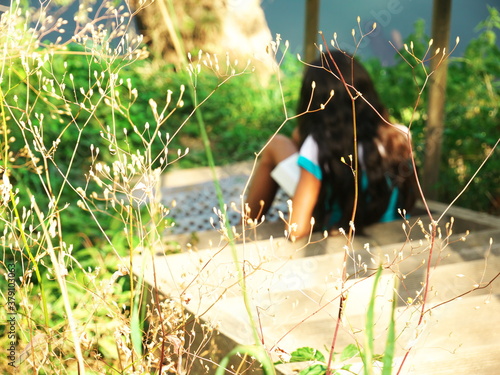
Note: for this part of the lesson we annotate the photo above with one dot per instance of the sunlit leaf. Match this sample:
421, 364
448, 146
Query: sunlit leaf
307, 354
314, 370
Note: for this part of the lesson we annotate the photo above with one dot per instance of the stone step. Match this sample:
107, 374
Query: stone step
293, 288
460, 338
457, 338
294, 296
300, 287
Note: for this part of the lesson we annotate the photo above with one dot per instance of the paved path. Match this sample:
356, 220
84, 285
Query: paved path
195, 196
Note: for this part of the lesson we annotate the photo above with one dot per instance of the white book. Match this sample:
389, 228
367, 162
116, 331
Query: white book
287, 174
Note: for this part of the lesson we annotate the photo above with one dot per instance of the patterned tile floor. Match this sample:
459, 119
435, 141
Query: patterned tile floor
194, 204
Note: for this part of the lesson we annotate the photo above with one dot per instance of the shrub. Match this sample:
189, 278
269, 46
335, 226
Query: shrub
471, 124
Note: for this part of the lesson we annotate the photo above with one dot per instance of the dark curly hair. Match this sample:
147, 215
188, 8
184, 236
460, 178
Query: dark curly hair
332, 128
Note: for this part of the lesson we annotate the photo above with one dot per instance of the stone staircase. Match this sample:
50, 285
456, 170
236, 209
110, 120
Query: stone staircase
294, 288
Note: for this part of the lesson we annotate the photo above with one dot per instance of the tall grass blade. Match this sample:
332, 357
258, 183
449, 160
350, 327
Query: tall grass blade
391, 337
135, 324
370, 321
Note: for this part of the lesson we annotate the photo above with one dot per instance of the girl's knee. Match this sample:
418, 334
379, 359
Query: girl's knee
281, 147
280, 140
278, 149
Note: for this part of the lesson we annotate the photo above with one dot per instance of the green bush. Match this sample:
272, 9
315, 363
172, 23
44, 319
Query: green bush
471, 119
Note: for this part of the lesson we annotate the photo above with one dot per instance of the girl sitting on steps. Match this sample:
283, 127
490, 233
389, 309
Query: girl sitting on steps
317, 167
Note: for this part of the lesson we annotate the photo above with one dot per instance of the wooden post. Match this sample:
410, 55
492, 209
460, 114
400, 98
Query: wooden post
311, 29
441, 16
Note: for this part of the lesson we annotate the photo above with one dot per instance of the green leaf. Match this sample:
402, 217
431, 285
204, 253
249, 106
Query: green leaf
391, 337
307, 354
370, 323
314, 370
350, 351
136, 333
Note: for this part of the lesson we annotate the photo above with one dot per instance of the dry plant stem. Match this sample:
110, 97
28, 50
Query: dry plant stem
434, 225
254, 165
350, 236
157, 303
491, 281
53, 233
18, 217
317, 311
429, 214
172, 29
426, 287
351, 230
421, 63
428, 271
64, 291
32, 259
5, 133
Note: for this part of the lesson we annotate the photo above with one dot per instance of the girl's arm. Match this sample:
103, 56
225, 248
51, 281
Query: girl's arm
304, 201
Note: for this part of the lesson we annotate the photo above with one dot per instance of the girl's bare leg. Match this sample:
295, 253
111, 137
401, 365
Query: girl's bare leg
263, 187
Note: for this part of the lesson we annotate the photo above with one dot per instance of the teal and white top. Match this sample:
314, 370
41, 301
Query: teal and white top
287, 174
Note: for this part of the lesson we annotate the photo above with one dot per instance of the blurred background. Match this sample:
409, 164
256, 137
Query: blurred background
395, 22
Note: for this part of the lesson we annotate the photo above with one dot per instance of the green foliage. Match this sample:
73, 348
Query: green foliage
317, 359
471, 119
307, 354
240, 116
472, 126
